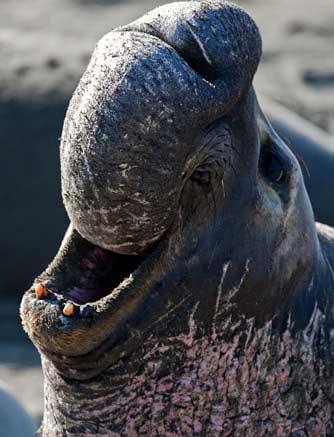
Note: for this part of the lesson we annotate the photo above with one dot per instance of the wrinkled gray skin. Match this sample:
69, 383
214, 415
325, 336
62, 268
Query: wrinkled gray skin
203, 288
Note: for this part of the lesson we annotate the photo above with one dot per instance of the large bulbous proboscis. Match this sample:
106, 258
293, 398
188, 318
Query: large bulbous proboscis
132, 124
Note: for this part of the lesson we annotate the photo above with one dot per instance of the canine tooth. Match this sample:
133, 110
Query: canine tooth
40, 290
68, 309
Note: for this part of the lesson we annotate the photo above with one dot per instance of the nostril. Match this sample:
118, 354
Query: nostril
215, 39
193, 54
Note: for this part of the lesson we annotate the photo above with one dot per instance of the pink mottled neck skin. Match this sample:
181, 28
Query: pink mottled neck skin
248, 382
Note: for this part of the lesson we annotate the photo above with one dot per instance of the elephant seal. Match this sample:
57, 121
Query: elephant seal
193, 291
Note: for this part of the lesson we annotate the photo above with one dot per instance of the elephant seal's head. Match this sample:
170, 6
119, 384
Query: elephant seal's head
182, 199
131, 135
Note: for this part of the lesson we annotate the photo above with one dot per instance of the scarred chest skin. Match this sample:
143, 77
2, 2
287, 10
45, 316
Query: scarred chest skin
257, 383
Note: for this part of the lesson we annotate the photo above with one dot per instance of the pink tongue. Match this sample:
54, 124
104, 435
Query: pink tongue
85, 295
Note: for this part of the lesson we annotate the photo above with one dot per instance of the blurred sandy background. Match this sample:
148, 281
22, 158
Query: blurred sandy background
44, 48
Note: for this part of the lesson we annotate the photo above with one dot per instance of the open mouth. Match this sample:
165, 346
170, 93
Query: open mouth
85, 273
99, 272
105, 290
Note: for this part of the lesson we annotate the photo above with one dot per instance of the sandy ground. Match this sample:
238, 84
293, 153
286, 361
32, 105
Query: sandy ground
44, 47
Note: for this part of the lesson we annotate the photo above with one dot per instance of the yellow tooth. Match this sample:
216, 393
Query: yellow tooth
40, 290
68, 309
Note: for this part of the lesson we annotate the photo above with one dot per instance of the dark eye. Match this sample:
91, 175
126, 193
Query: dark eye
272, 168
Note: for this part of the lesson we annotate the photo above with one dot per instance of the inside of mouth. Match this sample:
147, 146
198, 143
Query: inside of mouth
98, 272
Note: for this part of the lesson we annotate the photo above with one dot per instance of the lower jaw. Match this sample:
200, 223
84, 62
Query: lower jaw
85, 367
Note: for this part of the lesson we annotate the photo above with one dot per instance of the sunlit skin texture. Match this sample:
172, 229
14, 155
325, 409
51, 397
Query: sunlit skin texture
213, 315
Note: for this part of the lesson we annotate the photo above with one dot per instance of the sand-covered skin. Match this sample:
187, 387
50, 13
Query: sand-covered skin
44, 48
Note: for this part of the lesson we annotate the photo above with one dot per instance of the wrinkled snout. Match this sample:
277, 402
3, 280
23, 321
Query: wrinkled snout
122, 150
149, 90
